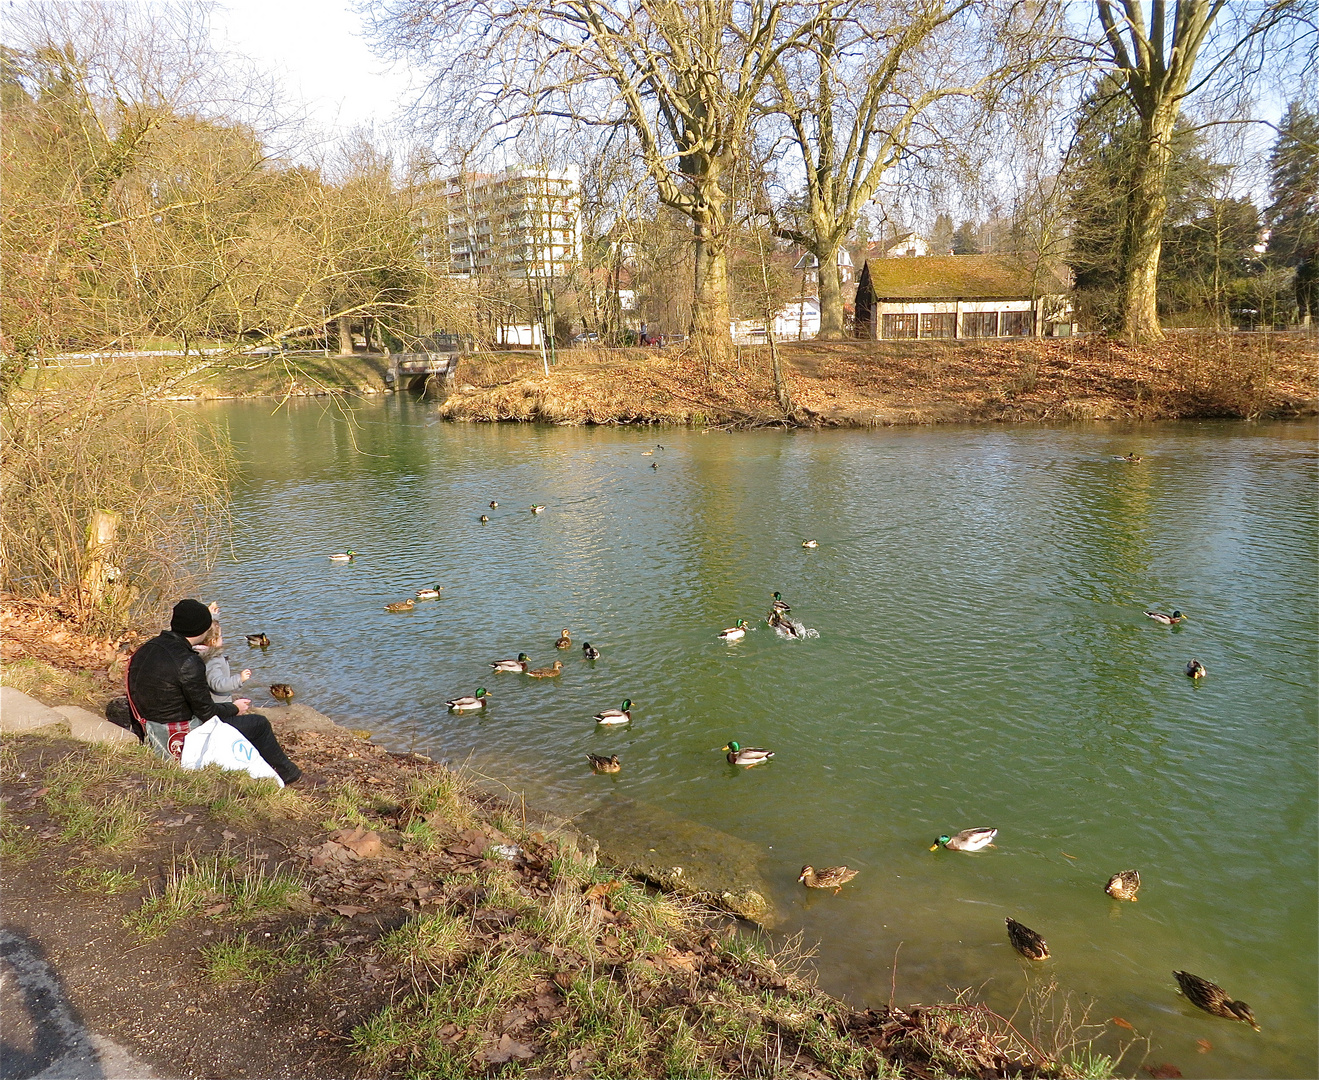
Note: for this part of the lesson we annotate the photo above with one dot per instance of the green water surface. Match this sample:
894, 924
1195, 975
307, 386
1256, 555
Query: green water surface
981, 659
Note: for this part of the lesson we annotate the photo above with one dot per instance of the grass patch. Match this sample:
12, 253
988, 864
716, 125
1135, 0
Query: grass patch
103, 797
40, 680
240, 961
219, 886
426, 947
439, 797
102, 882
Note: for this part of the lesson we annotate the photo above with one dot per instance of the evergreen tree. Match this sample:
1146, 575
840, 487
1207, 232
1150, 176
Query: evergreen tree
1293, 215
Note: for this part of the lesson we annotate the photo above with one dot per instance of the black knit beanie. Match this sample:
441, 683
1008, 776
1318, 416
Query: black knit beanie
191, 618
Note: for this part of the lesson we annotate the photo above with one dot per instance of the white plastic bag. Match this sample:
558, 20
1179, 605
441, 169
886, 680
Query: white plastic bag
218, 743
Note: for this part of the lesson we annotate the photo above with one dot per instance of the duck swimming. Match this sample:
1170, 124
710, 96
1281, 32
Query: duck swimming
463, 704
967, 840
810, 543
565, 640
401, 605
520, 664
604, 764
484, 519
344, 556
536, 508
433, 593
1212, 998
1123, 885
1026, 941
1196, 670
547, 672
733, 633
494, 505
746, 755
831, 877
615, 716
1167, 620
258, 641
590, 651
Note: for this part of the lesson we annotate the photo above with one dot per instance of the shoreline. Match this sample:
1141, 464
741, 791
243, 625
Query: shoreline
376, 853
852, 384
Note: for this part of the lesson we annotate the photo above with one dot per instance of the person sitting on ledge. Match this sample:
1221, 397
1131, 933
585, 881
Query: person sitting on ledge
167, 689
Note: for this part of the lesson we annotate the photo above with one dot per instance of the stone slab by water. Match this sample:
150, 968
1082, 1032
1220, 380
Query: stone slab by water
682, 856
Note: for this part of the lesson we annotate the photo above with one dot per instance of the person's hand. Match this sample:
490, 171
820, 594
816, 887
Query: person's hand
242, 704
247, 674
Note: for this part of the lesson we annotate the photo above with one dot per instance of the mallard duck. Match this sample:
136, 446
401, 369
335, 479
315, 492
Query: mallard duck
810, 543
654, 465
484, 519
733, 633
565, 640
746, 755
615, 716
1124, 885
258, 641
1133, 458
604, 764
1196, 670
967, 840
831, 877
1026, 941
780, 621
590, 651
547, 672
536, 508
401, 605
463, 704
520, 664
780, 605
494, 505
433, 593
1167, 620
283, 691
344, 556
1210, 997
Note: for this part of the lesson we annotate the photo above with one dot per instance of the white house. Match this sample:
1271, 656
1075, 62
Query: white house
962, 296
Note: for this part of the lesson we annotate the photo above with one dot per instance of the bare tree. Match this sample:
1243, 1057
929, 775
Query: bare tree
684, 75
1155, 57
862, 95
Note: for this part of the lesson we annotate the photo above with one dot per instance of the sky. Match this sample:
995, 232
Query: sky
318, 48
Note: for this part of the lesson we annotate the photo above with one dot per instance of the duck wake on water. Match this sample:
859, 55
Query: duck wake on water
789, 629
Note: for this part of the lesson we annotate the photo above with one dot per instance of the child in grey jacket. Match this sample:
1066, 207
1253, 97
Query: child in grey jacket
219, 678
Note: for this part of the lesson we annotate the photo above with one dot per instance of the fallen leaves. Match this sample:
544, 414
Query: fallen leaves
1166, 1071
507, 1049
1120, 1023
1203, 1045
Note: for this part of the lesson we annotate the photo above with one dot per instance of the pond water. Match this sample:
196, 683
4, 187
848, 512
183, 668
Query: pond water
981, 659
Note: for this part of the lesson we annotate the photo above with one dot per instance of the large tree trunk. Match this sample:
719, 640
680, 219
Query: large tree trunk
1144, 239
831, 296
710, 310
345, 335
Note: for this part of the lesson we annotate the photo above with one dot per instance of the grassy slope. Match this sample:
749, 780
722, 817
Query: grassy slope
374, 908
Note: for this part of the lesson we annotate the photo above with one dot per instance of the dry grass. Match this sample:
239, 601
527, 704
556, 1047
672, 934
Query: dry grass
863, 383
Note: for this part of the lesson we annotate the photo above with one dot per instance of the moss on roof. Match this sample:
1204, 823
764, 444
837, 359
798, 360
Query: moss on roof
963, 277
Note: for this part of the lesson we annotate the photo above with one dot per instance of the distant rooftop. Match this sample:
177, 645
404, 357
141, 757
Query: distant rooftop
963, 277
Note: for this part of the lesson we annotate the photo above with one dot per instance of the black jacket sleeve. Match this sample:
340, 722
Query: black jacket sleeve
192, 680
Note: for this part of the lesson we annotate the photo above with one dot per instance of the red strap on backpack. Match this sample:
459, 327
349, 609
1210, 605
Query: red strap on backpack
176, 732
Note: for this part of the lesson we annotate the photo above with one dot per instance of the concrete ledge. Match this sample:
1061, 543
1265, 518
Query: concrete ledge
18, 712
89, 727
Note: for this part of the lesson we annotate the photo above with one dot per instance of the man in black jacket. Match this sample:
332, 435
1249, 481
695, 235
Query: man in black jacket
167, 685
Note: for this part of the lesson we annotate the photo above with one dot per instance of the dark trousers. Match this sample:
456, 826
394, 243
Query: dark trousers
256, 729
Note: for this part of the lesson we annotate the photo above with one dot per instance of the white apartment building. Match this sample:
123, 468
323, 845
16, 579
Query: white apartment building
518, 223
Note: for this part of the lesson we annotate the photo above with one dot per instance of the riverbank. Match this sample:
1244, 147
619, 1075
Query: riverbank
830, 384
389, 918
870, 384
